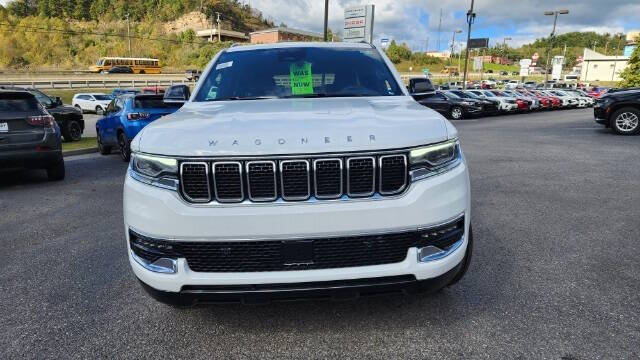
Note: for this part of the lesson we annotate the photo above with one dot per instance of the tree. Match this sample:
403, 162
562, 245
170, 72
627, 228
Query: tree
397, 53
631, 73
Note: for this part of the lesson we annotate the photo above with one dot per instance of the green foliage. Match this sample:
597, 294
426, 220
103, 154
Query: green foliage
397, 53
421, 59
631, 74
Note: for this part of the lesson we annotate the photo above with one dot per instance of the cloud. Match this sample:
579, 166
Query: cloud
413, 21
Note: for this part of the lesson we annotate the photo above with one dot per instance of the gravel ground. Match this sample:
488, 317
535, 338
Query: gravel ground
555, 274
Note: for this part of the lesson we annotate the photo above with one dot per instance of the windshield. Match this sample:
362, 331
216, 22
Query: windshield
102, 97
151, 102
451, 95
298, 72
99, 63
488, 94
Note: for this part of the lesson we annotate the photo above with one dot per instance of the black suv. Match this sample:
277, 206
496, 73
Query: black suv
619, 110
29, 135
69, 119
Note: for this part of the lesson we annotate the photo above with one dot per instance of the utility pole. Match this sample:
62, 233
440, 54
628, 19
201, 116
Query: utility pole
439, 29
326, 20
553, 32
218, 21
129, 35
471, 16
453, 41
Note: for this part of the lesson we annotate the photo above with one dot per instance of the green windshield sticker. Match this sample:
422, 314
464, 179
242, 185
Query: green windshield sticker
301, 79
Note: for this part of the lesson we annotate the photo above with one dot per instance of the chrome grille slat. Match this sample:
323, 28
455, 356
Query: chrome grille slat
195, 181
392, 174
361, 179
291, 178
295, 180
227, 181
328, 178
261, 180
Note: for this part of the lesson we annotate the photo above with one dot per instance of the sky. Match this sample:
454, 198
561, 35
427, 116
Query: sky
416, 21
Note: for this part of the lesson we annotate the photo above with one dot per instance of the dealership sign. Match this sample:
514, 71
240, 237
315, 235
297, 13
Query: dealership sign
478, 43
524, 67
358, 24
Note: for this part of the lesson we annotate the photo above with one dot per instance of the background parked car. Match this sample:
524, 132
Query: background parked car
620, 111
450, 105
29, 135
177, 95
120, 70
69, 119
91, 102
192, 75
125, 116
117, 92
489, 106
153, 90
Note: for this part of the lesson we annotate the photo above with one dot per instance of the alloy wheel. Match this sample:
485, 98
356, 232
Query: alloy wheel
627, 122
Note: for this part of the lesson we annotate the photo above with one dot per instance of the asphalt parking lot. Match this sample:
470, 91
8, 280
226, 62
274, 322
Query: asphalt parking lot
555, 274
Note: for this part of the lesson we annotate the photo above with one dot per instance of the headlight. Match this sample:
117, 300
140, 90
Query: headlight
155, 170
434, 159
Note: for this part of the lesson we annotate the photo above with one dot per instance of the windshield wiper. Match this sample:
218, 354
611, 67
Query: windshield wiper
245, 98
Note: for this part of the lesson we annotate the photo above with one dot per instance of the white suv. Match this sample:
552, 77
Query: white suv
94, 102
297, 170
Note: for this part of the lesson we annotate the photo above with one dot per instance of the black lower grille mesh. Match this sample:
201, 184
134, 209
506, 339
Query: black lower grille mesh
248, 256
393, 174
228, 181
361, 176
295, 179
195, 182
262, 180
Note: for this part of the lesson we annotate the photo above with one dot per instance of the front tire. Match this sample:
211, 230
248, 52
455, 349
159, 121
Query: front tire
103, 149
99, 110
56, 171
72, 131
456, 113
79, 109
626, 121
125, 150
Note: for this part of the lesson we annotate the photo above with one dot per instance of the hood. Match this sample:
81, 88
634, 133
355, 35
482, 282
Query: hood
293, 126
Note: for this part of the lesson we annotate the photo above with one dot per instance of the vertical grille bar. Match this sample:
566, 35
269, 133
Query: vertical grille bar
361, 179
392, 174
227, 181
328, 178
261, 180
195, 181
295, 180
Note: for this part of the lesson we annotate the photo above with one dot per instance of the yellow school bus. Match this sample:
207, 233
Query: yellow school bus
453, 70
138, 65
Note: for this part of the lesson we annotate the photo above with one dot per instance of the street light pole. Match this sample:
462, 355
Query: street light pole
218, 21
553, 32
504, 47
470, 18
326, 20
129, 36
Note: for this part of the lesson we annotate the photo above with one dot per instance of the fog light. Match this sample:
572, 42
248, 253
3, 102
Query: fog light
162, 265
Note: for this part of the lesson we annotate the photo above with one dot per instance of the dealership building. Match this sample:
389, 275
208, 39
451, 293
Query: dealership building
283, 34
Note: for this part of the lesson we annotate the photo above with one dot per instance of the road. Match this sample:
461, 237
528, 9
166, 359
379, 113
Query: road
555, 272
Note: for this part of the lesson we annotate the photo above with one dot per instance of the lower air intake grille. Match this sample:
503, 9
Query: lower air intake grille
195, 182
325, 253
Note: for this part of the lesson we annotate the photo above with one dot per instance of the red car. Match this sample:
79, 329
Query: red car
597, 92
157, 90
545, 102
553, 102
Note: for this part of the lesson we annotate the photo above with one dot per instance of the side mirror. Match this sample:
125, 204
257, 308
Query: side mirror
177, 94
58, 101
422, 87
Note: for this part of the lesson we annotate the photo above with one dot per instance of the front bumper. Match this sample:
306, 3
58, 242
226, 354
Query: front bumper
159, 213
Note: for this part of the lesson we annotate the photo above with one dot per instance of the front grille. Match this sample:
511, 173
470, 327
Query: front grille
296, 179
268, 255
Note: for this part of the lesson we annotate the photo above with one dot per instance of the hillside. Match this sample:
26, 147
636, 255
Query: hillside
73, 34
